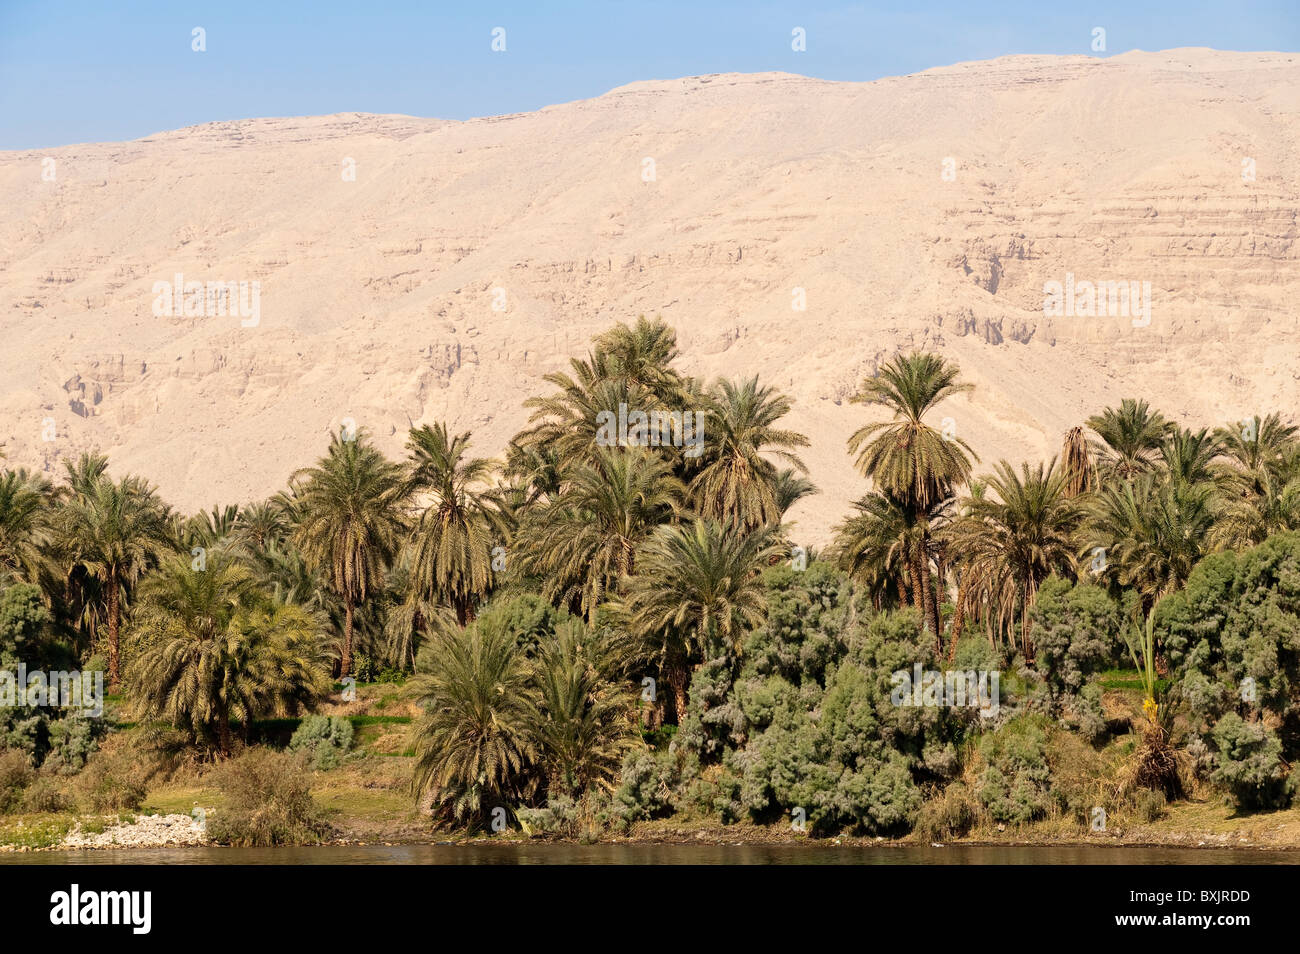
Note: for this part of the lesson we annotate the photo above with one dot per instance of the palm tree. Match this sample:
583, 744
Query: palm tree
905, 457
452, 543
1010, 542
1152, 534
260, 525
1188, 455
879, 546
582, 719
1272, 507
217, 648
475, 747
1130, 438
350, 524
116, 531
738, 483
86, 472
26, 502
584, 542
789, 488
697, 589
1258, 444
643, 354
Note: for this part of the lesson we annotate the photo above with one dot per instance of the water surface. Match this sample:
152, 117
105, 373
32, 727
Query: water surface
656, 854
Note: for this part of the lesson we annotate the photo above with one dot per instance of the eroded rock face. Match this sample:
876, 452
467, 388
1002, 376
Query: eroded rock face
464, 261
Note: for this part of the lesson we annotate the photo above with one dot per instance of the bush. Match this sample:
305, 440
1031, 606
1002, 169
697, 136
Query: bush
1149, 805
1015, 785
1250, 764
649, 781
72, 739
45, 796
325, 739
267, 802
949, 815
1076, 633
15, 775
112, 781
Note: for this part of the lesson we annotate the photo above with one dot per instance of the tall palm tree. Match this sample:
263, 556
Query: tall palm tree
116, 532
216, 648
474, 748
1012, 540
453, 539
905, 457
738, 482
350, 522
26, 504
585, 542
1130, 438
643, 354
697, 589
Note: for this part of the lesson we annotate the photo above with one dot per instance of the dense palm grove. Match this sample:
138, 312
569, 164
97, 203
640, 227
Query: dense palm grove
601, 634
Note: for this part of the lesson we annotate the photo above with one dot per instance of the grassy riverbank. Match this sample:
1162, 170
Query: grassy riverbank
366, 799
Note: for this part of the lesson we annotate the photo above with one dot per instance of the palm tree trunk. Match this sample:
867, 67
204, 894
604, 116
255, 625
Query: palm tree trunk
918, 593
114, 653
677, 680
346, 668
959, 617
931, 608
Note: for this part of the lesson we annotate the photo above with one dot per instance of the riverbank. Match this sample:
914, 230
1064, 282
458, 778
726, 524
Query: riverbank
1210, 828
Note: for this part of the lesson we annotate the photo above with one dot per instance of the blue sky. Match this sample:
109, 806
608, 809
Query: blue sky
89, 70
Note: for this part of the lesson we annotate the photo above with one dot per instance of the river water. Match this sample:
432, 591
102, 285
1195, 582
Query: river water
658, 854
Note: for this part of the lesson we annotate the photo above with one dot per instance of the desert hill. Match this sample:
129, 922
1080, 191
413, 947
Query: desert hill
379, 295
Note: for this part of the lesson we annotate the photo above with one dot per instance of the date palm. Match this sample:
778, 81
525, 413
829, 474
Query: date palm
1188, 456
115, 531
1130, 439
452, 543
1248, 519
879, 546
583, 720
216, 648
790, 488
1253, 450
26, 506
475, 748
1017, 534
697, 589
1150, 534
905, 457
1077, 463
350, 522
584, 543
738, 482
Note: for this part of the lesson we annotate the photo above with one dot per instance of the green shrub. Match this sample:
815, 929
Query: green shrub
325, 739
1250, 764
266, 801
649, 782
1076, 633
1149, 805
1016, 783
